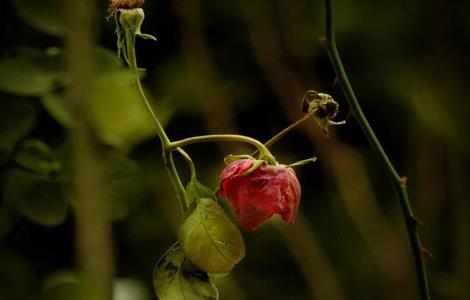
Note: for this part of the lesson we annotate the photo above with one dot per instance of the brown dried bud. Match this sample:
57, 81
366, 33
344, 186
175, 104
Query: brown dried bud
116, 5
324, 109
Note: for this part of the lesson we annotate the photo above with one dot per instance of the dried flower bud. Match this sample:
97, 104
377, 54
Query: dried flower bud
255, 195
131, 19
324, 109
116, 5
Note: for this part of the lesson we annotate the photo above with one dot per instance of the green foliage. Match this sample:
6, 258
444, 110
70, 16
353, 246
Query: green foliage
55, 104
37, 157
45, 15
31, 72
39, 200
410, 70
119, 207
121, 166
61, 285
196, 190
209, 238
120, 116
175, 278
17, 118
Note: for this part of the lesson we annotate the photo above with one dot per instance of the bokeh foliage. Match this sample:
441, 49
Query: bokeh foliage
242, 66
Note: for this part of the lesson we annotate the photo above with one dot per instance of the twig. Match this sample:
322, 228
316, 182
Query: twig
399, 183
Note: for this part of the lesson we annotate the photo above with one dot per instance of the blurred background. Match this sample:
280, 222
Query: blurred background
233, 66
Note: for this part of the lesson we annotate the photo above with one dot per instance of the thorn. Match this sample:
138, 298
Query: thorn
336, 123
403, 180
426, 253
416, 222
336, 82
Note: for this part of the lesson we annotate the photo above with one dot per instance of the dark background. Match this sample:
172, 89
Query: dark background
242, 67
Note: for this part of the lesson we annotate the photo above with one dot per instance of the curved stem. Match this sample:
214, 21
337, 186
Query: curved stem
286, 130
176, 181
166, 155
264, 152
282, 133
189, 161
399, 183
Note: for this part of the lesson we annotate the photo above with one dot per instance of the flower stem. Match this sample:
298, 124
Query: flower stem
399, 183
286, 130
166, 155
175, 180
131, 55
190, 162
264, 152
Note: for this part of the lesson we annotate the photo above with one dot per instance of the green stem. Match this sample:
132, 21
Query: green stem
286, 130
282, 133
399, 183
176, 181
264, 152
166, 155
130, 44
189, 161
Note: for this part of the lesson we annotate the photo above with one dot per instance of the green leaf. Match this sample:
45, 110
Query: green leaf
56, 103
118, 207
175, 278
196, 190
120, 165
57, 108
209, 238
17, 118
31, 72
36, 156
107, 60
61, 285
37, 199
130, 289
218, 276
44, 15
119, 114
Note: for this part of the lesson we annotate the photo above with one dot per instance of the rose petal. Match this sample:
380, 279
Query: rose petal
257, 196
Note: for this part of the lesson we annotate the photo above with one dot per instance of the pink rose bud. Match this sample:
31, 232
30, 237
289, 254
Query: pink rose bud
256, 196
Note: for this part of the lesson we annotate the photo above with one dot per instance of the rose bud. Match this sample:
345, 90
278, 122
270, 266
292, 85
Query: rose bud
255, 195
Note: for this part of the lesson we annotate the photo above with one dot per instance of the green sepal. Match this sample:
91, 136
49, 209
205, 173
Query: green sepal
231, 158
265, 155
256, 162
128, 27
146, 36
303, 162
121, 40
